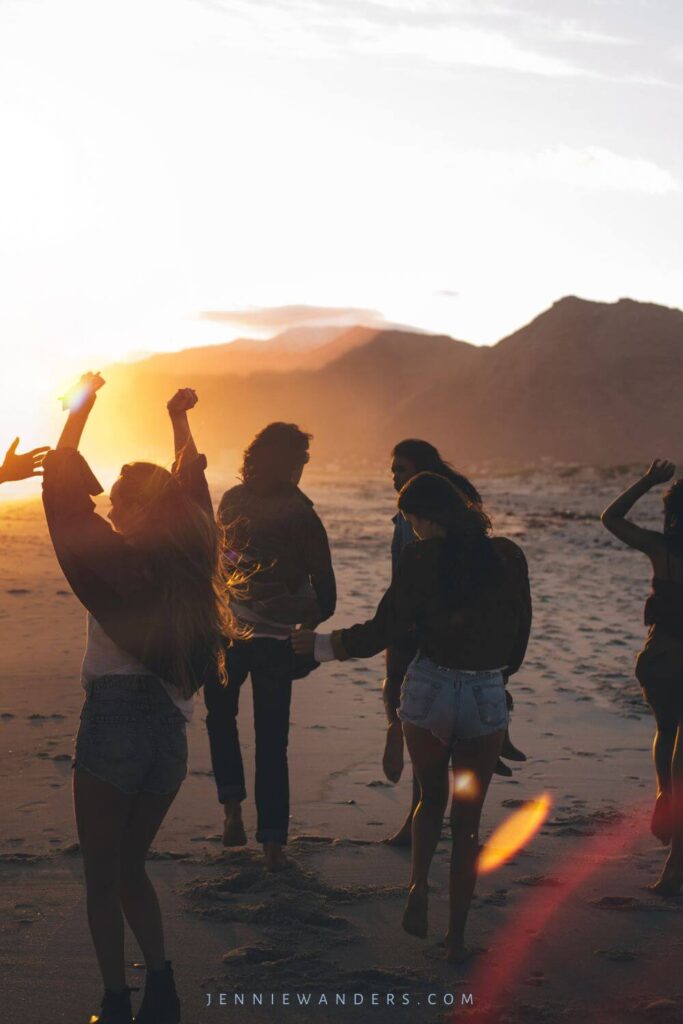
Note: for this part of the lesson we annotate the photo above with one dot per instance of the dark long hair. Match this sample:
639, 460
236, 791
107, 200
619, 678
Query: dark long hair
470, 564
673, 517
274, 455
182, 549
426, 459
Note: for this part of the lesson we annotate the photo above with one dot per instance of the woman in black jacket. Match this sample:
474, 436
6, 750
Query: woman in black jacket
151, 584
461, 599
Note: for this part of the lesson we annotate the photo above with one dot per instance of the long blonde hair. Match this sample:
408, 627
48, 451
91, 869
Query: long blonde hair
183, 551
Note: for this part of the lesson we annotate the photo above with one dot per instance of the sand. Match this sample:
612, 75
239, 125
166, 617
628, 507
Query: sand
570, 931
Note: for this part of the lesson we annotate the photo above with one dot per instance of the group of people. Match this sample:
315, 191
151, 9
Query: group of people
180, 601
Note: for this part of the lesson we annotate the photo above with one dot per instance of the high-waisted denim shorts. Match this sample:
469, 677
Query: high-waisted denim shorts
452, 703
132, 735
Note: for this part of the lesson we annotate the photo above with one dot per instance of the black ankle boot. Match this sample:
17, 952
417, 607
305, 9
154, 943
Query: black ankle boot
115, 1009
160, 1003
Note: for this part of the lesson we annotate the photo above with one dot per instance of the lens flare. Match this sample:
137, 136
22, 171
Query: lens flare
513, 834
465, 785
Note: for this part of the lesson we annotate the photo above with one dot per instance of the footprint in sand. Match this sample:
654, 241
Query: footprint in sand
619, 956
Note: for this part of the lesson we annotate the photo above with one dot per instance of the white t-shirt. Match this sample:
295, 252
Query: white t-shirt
104, 658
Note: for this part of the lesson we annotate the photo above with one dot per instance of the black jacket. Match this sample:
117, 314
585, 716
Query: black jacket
107, 574
279, 531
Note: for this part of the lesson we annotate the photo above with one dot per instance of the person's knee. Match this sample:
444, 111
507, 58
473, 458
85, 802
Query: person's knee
102, 877
133, 872
434, 795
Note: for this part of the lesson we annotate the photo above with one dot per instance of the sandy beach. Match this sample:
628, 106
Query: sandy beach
569, 931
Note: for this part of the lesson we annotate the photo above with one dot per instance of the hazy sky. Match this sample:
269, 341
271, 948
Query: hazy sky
455, 164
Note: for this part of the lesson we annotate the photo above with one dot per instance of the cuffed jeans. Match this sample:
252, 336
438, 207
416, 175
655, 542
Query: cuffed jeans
269, 662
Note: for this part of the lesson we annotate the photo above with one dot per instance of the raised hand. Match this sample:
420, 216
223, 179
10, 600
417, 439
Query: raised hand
183, 400
659, 472
81, 397
21, 467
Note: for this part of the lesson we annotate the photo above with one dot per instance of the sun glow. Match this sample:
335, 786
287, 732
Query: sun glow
513, 834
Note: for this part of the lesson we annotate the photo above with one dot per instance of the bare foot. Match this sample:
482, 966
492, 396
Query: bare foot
502, 769
670, 881
275, 857
404, 836
392, 762
660, 824
459, 953
233, 828
415, 915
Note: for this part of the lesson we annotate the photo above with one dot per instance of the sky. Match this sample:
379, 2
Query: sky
457, 165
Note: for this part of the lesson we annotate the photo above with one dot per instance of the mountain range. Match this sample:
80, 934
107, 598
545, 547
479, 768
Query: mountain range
584, 382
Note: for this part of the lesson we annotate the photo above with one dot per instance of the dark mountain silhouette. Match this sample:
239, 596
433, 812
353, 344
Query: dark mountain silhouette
587, 382
295, 348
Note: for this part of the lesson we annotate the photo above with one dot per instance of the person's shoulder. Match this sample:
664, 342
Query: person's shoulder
233, 499
300, 496
508, 550
421, 554
233, 493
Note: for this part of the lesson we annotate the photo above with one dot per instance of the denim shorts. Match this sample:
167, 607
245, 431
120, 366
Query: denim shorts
452, 703
132, 735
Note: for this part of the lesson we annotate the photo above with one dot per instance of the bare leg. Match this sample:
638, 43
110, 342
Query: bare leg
233, 826
478, 756
138, 898
671, 879
430, 763
662, 755
275, 857
101, 814
404, 836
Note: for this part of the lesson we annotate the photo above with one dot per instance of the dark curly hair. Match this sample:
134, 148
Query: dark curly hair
470, 563
274, 455
426, 459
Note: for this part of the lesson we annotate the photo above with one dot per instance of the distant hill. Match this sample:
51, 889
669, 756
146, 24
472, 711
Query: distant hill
294, 348
587, 382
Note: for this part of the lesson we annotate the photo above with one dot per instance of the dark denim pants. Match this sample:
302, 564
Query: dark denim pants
269, 662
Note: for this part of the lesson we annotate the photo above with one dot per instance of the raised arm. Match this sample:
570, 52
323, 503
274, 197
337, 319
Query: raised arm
21, 467
178, 408
189, 465
79, 400
614, 516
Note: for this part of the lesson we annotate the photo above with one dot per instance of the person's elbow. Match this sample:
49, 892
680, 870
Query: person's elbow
607, 518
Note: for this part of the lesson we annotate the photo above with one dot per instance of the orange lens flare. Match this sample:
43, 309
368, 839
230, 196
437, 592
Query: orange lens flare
513, 834
465, 785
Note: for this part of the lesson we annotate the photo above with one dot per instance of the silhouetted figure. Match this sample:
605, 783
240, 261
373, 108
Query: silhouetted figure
284, 552
408, 458
149, 582
22, 467
659, 668
462, 598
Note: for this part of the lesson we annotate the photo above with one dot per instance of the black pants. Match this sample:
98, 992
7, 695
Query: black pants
269, 662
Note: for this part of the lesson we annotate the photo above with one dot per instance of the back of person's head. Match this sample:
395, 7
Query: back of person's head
181, 548
673, 516
426, 459
469, 562
276, 456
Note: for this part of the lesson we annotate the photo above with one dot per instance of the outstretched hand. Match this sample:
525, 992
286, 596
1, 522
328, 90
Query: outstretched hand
21, 467
303, 641
183, 400
659, 472
81, 397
